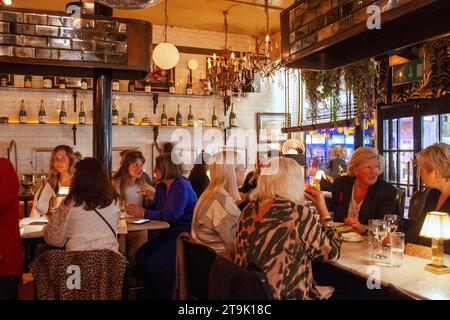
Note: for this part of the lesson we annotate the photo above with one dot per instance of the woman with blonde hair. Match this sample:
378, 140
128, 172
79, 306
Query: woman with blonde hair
361, 195
279, 235
434, 168
62, 170
216, 213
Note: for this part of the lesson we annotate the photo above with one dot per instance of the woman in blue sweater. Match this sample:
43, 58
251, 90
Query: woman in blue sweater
174, 202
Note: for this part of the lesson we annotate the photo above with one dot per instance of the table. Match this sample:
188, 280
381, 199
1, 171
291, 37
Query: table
410, 277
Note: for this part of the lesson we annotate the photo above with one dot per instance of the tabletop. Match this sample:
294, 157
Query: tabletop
409, 277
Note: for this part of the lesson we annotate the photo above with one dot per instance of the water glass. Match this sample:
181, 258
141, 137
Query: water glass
397, 241
378, 231
392, 224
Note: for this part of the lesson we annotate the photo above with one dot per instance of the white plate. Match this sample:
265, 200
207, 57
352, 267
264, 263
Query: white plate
352, 237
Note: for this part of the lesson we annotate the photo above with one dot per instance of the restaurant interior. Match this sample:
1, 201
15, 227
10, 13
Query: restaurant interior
163, 121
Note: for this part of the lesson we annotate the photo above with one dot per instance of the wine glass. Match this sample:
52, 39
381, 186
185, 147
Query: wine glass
392, 224
379, 229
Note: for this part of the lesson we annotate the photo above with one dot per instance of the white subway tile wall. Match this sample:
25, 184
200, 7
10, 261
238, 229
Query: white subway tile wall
30, 137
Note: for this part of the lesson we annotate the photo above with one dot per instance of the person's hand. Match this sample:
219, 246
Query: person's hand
134, 210
318, 200
147, 191
355, 224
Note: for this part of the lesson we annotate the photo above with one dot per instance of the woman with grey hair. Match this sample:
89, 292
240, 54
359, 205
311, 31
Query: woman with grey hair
434, 168
361, 195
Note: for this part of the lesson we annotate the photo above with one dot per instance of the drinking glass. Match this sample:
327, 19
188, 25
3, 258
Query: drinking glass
392, 224
397, 241
379, 231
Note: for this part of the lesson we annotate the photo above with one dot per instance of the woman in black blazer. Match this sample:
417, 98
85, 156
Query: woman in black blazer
361, 195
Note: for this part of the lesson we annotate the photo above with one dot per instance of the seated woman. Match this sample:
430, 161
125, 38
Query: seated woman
281, 236
130, 185
88, 217
174, 202
62, 169
361, 195
198, 176
216, 214
337, 166
434, 169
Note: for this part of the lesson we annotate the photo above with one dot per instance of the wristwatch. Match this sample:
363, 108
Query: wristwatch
328, 222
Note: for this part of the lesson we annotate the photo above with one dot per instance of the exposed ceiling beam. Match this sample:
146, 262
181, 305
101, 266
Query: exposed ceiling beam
256, 5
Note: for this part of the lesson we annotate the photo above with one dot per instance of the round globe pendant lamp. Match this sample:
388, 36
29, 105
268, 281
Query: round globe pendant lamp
165, 54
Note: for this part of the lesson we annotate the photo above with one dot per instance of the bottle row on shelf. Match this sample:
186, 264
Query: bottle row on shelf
130, 119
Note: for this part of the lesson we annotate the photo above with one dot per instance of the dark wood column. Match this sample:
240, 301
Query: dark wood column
102, 127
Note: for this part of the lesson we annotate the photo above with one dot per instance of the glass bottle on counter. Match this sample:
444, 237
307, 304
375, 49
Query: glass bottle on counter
232, 117
115, 85
171, 87
164, 116
82, 114
48, 83
63, 114
22, 112
28, 81
131, 86
189, 85
179, 117
148, 86
84, 84
214, 120
190, 117
42, 117
62, 83
171, 122
131, 115
3, 80
115, 113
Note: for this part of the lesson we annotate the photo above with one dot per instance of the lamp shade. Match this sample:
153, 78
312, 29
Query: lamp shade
166, 55
436, 225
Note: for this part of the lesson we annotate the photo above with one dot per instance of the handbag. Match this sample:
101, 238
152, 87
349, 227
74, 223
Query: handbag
115, 235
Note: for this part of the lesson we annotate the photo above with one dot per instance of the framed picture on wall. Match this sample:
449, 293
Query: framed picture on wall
269, 125
159, 79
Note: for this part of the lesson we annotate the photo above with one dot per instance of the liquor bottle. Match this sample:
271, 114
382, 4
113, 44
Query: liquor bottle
190, 117
62, 83
148, 87
164, 116
179, 117
171, 122
232, 116
63, 114
171, 87
131, 86
131, 115
82, 114
214, 121
189, 85
3, 80
115, 113
22, 112
84, 84
42, 116
115, 85
28, 82
48, 83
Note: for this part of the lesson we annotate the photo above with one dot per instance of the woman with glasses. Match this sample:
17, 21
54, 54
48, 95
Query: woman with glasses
361, 195
62, 170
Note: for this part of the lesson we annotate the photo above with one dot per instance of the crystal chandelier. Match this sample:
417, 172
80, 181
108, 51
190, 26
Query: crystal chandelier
129, 4
261, 61
226, 74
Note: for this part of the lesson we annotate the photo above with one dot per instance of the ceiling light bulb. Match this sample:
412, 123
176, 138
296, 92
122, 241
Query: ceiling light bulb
232, 55
7, 2
267, 38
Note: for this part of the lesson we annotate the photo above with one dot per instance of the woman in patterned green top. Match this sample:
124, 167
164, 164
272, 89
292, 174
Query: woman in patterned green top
277, 233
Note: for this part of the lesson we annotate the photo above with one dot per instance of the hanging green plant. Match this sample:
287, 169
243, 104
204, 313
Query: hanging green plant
312, 82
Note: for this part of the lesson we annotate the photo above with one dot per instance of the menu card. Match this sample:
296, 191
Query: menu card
44, 198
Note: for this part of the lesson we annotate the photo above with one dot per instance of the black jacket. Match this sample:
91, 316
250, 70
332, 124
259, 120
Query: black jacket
380, 200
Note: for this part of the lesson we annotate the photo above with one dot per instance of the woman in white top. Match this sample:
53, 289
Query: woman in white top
88, 217
216, 214
62, 169
132, 188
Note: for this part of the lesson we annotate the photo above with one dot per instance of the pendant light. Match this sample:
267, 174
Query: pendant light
165, 54
129, 4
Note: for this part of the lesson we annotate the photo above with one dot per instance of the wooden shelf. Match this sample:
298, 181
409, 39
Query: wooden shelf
118, 125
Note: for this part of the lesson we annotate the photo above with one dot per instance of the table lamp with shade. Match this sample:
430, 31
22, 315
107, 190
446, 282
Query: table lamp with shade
437, 227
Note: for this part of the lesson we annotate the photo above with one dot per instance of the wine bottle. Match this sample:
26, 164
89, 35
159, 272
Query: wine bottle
42, 116
115, 113
82, 114
179, 117
63, 114
232, 116
148, 86
131, 86
190, 117
28, 82
164, 116
131, 115
214, 120
189, 85
171, 87
22, 112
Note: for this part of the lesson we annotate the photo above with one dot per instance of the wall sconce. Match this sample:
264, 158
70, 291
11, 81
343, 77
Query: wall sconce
437, 227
